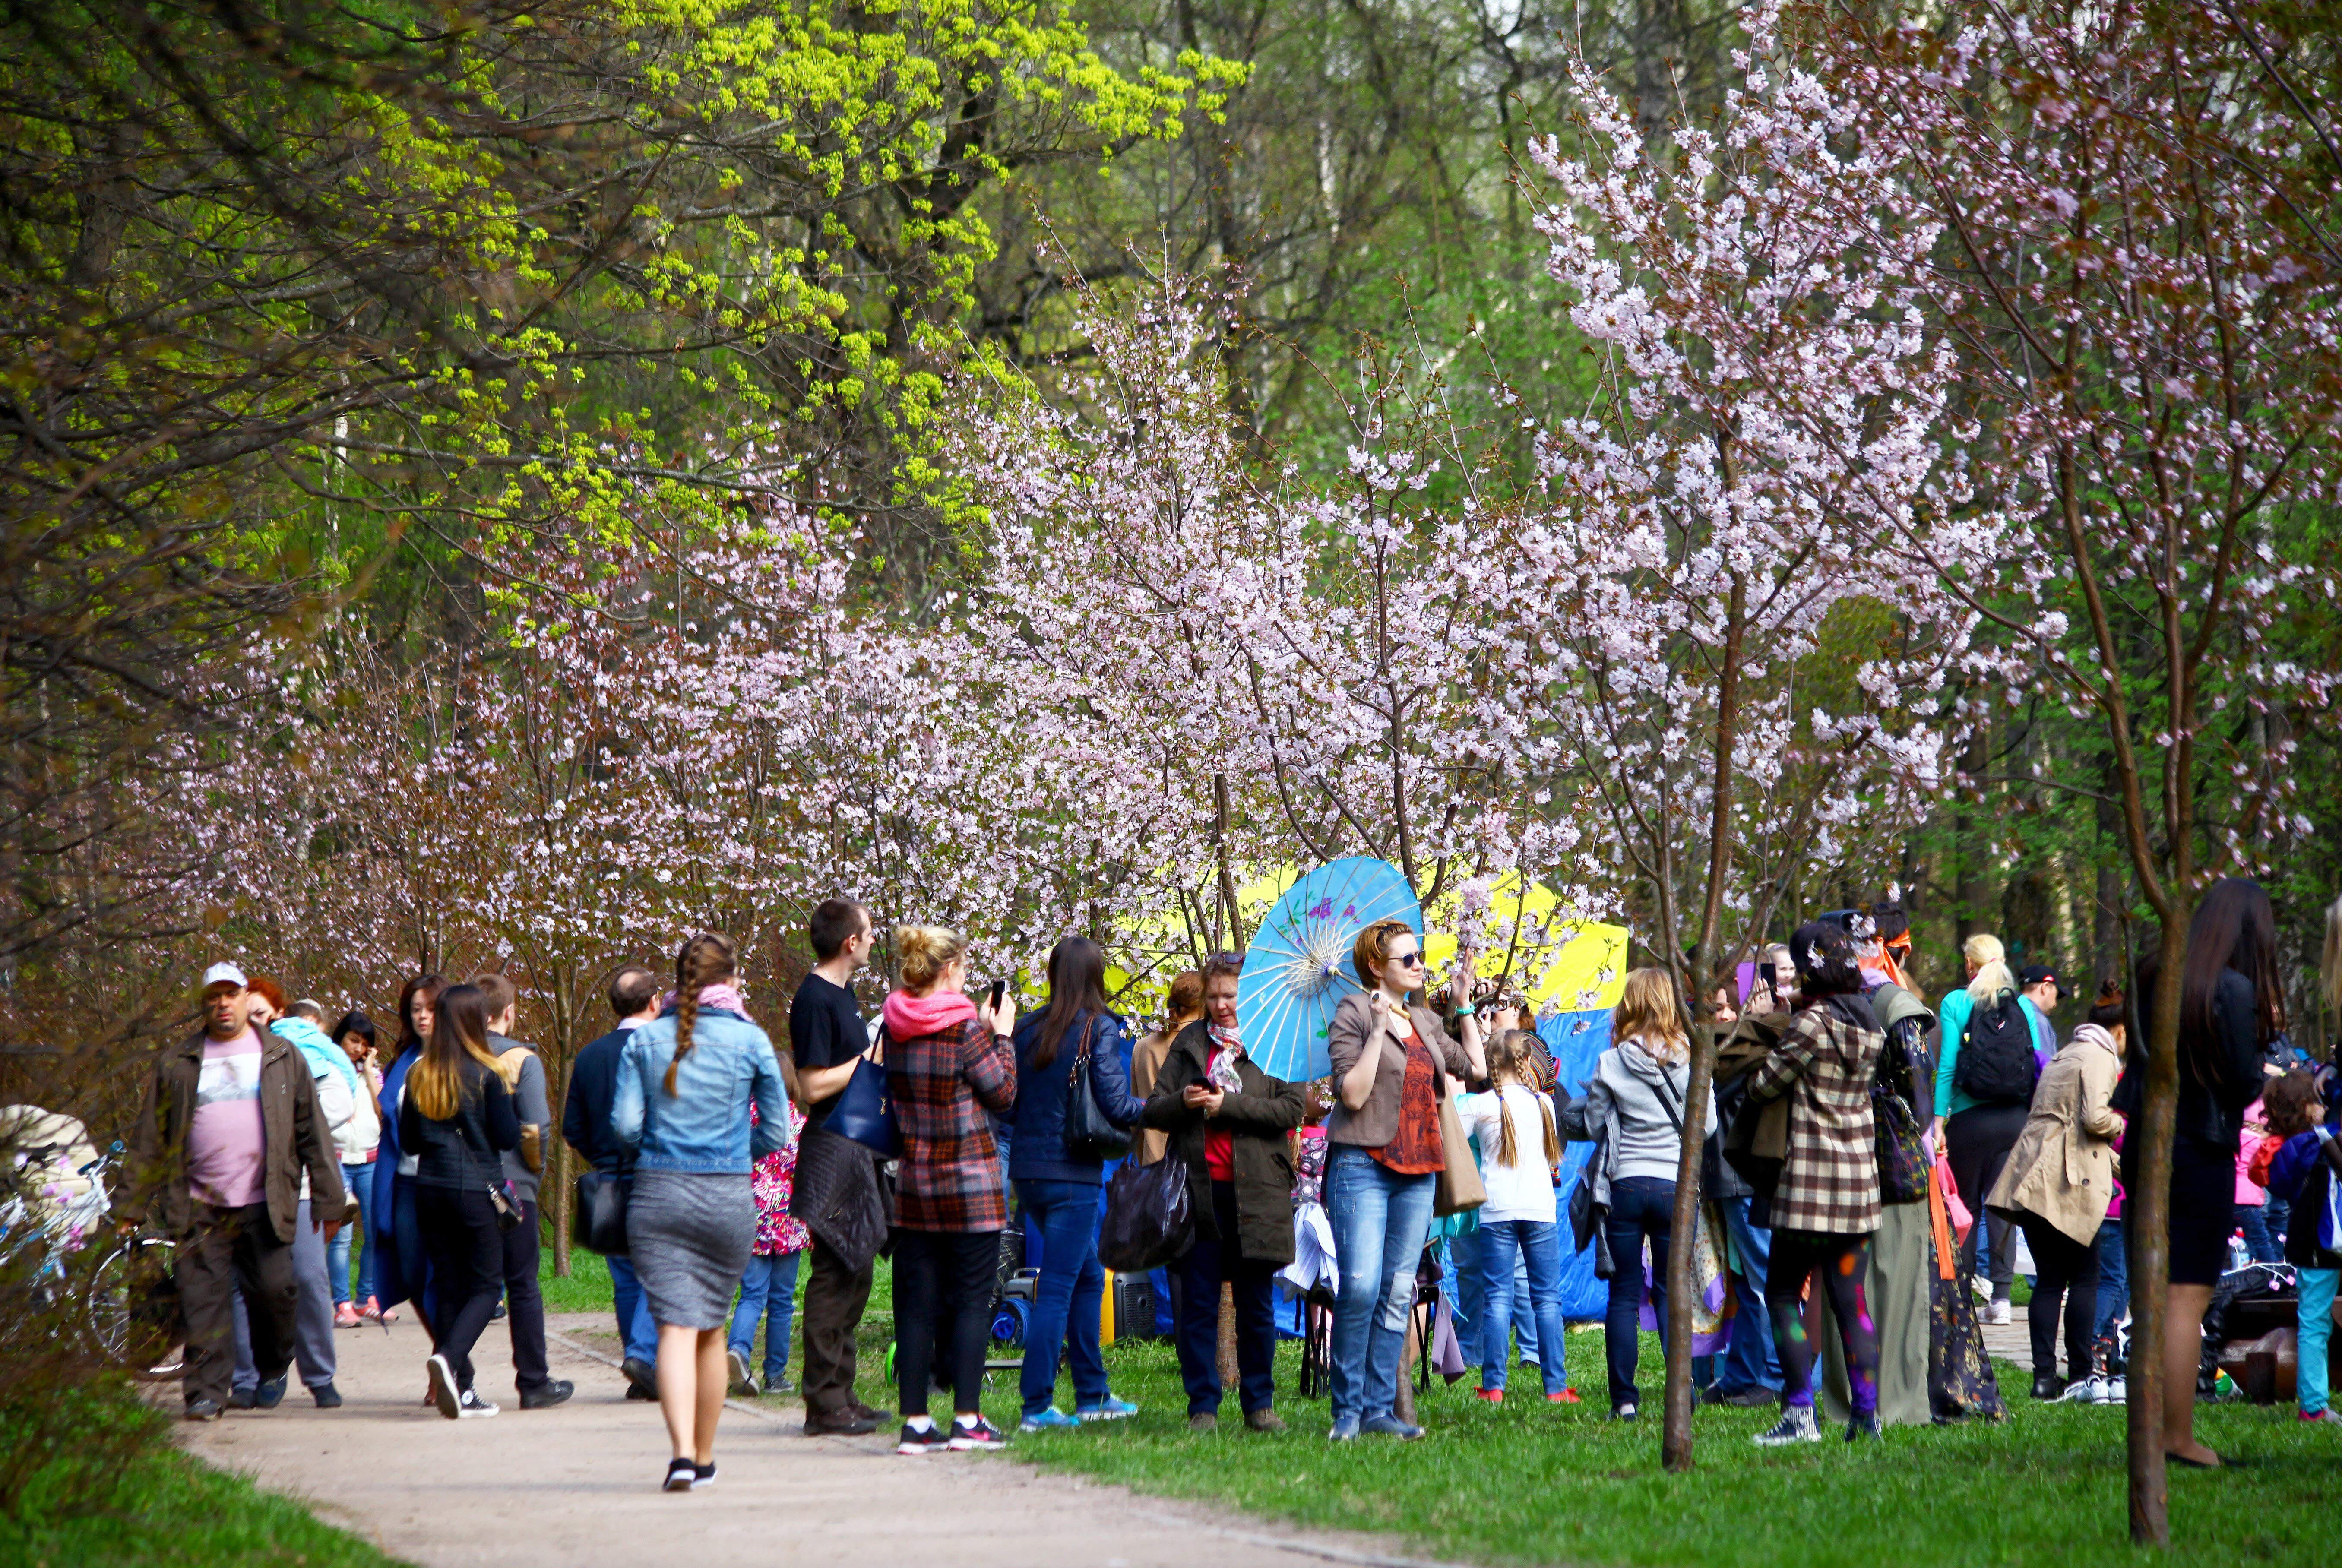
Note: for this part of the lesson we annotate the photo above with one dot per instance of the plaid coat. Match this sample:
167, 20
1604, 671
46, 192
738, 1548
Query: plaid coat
1824, 1066
950, 1177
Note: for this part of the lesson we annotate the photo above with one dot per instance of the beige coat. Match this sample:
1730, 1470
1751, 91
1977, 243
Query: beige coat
2063, 1167
1146, 1060
1362, 1023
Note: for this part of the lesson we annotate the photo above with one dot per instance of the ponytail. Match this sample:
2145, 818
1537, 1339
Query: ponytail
705, 959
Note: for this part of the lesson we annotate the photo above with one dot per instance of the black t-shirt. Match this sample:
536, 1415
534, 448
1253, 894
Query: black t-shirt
825, 1030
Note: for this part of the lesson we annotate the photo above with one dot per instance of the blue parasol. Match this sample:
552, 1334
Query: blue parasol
1297, 969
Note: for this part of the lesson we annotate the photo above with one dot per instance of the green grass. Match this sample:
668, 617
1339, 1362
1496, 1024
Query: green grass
160, 1509
1532, 1483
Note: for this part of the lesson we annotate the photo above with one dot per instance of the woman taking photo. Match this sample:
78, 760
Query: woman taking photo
1058, 1182
1826, 1204
1393, 1066
457, 1118
1636, 1103
1227, 1121
948, 1064
2230, 1007
359, 1139
686, 1081
2056, 1185
401, 1269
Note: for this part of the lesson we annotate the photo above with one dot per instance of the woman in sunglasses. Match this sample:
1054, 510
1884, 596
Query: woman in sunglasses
1393, 1065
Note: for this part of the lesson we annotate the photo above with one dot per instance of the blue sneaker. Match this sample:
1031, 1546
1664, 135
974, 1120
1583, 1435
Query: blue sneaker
1049, 1420
1107, 1409
1343, 1430
1388, 1425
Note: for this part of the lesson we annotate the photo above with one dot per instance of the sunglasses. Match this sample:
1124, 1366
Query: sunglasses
1406, 960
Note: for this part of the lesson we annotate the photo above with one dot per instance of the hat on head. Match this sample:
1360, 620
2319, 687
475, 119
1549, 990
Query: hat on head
225, 974
2041, 974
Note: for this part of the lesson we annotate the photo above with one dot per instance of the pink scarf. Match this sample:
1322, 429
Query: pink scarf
723, 994
908, 1016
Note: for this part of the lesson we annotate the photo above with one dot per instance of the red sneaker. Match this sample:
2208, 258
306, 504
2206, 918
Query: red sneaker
1566, 1396
1493, 1395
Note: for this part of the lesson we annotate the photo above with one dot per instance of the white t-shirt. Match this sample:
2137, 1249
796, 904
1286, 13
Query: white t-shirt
1524, 1190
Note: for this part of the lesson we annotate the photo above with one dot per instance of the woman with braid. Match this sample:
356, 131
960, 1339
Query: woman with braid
686, 1081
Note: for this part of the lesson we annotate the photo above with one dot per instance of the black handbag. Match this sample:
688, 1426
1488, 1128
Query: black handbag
1089, 1136
597, 1214
1586, 1215
1149, 1219
1903, 1163
865, 1112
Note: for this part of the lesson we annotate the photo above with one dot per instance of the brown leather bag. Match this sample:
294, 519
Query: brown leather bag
1458, 1186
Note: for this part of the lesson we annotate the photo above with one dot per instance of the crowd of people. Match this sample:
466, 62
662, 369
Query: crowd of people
1851, 1135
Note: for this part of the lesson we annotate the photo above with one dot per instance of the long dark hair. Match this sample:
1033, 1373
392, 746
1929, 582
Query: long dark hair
1077, 985
459, 1029
428, 986
705, 959
2234, 928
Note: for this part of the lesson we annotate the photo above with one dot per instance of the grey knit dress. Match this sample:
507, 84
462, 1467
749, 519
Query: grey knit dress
689, 1234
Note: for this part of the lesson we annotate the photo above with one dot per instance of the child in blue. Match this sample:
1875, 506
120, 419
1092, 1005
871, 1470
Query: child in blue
2304, 1171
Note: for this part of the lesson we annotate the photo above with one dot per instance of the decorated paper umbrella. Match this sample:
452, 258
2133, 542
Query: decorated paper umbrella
1297, 969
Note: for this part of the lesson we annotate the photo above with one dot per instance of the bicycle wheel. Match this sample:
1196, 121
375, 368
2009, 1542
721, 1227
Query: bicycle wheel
130, 1309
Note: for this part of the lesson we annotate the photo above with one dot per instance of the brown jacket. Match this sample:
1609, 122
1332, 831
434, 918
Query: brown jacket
1361, 1022
2063, 1167
1145, 1061
293, 1136
1256, 1121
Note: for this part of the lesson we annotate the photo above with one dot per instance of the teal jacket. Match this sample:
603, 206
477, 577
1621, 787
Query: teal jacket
1952, 1013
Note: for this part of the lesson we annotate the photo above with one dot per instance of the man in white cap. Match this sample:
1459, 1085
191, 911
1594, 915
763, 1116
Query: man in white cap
230, 1123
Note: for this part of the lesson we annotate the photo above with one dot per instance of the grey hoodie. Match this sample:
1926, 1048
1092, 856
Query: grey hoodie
1623, 1103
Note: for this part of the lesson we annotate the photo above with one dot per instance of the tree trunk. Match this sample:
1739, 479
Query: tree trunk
2150, 1248
1674, 1443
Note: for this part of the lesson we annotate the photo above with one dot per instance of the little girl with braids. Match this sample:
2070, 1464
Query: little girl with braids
1519, 1148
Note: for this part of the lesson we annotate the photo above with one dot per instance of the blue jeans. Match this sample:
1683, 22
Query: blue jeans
2315, 1311
769, 1291
1067, 1296
1507, 1246
1210, 1263
1640, 1206
1750, 1360
2253, 1219
2114, 1276
639, 1334
1472, 1298
356, 1180
1380, 1220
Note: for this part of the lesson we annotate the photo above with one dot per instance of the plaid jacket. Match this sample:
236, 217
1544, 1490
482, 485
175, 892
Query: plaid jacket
1823, 1066
950, 1177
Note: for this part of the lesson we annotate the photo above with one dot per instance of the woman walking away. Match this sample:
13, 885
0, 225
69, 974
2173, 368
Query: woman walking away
1057, 1179
2230, 1007
1184, 1005
457, 1118
948, 1064
1393, 1065
1635, 1104
2056, 1185
359, 1139
1227, 1121
1826, 1204
1984, 1083
401, 1270
686, 1082
1519, 1147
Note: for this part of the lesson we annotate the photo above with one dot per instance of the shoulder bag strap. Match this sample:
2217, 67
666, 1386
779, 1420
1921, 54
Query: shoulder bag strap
1669, 1101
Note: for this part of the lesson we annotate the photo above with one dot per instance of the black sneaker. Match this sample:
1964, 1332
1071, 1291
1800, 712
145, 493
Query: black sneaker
682, 1475
203, 1408
546, 1397
642, 1378
965, 1438
327, 1396
935, 1440
702, 1475
445, 1395
2047, 1386
471, 1407
269, 1395
1864, 1429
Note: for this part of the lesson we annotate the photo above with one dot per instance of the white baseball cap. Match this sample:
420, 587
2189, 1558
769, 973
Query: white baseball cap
225, 974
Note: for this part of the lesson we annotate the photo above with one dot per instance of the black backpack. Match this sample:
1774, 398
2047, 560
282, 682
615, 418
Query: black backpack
1996, 1065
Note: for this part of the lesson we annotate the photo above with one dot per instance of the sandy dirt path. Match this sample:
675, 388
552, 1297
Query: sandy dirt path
576, 1486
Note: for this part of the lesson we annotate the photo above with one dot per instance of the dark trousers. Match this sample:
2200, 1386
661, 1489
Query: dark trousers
835, 1297
228, 1251
1977, 1141
524, 1302
468, 1266
1640, 1206
1207, 1265
1840, 1265
2068, 1274
943, 1275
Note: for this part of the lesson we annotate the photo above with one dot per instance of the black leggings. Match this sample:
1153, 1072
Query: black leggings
1977, 1141
2069, 1272
1841, 1265
467, 1268
942, 1276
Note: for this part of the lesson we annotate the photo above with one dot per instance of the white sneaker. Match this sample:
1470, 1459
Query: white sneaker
472, 1407
1997, 1313
2116, 1390
442, 1393
2091, 1389
1796, 1426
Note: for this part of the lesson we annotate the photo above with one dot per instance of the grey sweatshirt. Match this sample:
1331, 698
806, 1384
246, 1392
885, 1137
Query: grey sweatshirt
1626, 1093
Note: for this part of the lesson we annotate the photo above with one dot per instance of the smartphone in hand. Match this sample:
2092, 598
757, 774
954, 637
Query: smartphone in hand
999, 989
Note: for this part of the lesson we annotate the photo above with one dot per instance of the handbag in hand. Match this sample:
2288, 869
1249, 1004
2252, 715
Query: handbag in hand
1089, 1136
597, 1214
1149, 1217
1903, 1163
865, 1112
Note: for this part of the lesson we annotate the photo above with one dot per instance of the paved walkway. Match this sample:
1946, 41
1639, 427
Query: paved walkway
576, 1486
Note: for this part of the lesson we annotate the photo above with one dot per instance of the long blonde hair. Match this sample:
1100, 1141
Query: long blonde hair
1650, 1010
1992, 976
1512, 1059
459, 1028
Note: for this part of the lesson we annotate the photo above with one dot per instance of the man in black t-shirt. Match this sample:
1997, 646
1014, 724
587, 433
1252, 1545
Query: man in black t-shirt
828, 1037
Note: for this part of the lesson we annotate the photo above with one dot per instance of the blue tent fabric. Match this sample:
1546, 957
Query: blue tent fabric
1576, 1041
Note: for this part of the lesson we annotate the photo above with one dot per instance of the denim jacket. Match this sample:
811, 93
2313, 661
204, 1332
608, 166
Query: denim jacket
702, 1128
